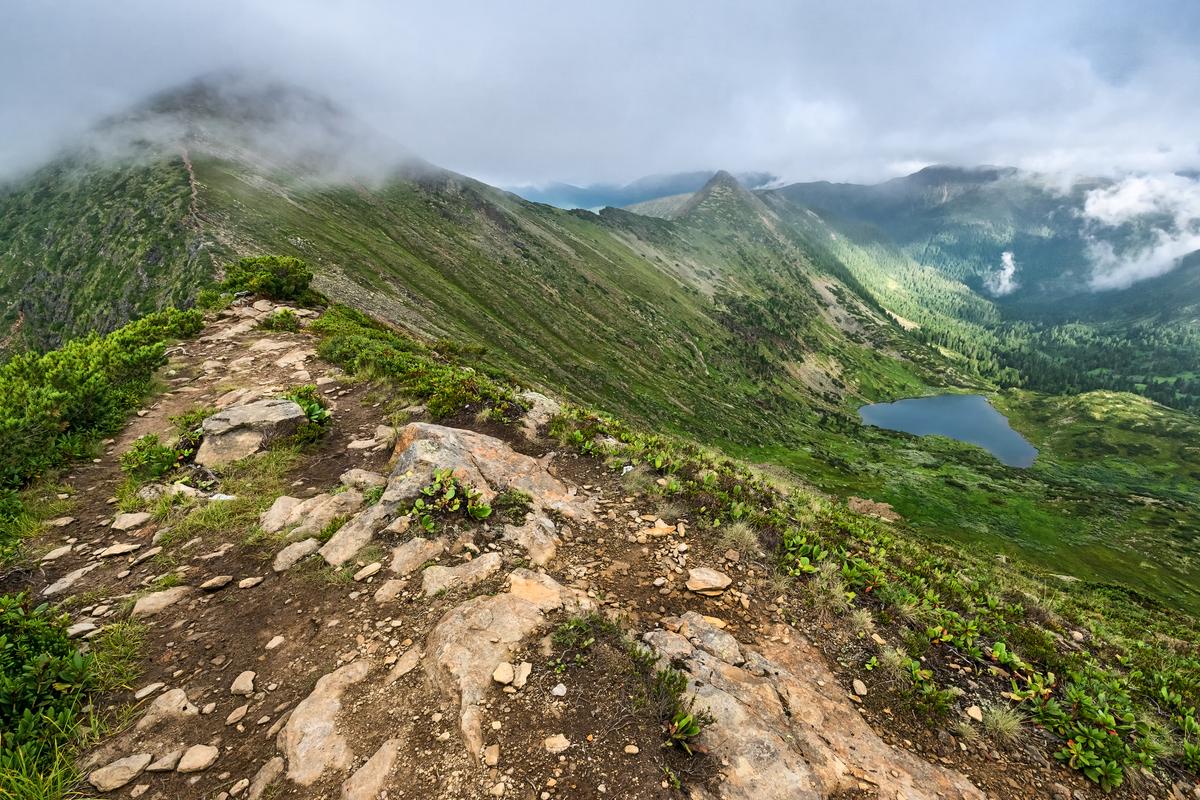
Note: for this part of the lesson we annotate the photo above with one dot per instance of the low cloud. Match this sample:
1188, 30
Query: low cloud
1140, 227
1004, 280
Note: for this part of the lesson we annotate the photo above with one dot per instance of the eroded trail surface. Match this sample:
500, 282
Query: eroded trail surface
334, 647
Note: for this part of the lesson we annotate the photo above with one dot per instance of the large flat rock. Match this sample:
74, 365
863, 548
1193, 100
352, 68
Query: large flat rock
241, 431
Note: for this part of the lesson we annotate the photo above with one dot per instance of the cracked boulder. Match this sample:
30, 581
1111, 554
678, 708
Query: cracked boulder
484, 462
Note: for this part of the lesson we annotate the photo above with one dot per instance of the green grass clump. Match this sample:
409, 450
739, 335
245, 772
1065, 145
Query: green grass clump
147, 458
512, 505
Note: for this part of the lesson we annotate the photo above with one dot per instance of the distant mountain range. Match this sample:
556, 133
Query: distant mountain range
599, 195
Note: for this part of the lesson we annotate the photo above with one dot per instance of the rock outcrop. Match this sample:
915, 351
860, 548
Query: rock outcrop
487, 464
785, 729
469, 642
311, 741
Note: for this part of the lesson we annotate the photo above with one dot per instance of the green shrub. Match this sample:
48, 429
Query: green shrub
211, 299
276, 277
44, 681
57, 404
282, 320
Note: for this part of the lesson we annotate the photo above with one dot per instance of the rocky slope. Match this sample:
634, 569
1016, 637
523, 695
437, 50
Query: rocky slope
321, 643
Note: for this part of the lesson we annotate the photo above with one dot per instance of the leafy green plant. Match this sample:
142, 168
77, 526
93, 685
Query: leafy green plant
147, 458
44, 682
315, 407
573, 641
446, 495
316, 412
800, 556
212, 299
682, 728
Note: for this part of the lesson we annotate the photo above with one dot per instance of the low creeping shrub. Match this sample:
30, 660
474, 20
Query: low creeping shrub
274, 277
282, 320
366, 349
44, 682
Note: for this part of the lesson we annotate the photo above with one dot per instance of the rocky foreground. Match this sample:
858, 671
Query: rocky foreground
345, 651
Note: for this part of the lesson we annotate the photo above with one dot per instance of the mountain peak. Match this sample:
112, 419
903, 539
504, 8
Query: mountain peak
722, 178
724, 195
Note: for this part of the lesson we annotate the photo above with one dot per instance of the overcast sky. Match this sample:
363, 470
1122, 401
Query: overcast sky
528, 92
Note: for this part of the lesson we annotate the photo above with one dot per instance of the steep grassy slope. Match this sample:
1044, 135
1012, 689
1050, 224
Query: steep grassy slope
646, 317
86, 247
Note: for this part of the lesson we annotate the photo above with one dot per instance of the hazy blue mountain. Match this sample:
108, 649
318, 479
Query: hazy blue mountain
599, 195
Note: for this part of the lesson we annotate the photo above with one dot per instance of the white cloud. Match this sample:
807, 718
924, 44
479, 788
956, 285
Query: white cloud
1004, 280
541, 90
1160, 214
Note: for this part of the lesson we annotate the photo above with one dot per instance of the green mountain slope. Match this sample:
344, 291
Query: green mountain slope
939, 236
88, 247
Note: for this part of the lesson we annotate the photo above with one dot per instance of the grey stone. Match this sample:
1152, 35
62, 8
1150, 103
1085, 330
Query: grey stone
153, 603
198, 758
130, 521
170, 705
371, 778
120, 772
287, 558
415, 552
436, 578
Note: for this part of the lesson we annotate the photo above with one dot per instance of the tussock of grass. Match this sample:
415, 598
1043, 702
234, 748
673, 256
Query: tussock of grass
1003, 724
738, 536
117, 653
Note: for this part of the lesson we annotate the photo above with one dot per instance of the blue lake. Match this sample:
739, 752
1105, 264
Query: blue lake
965, 417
